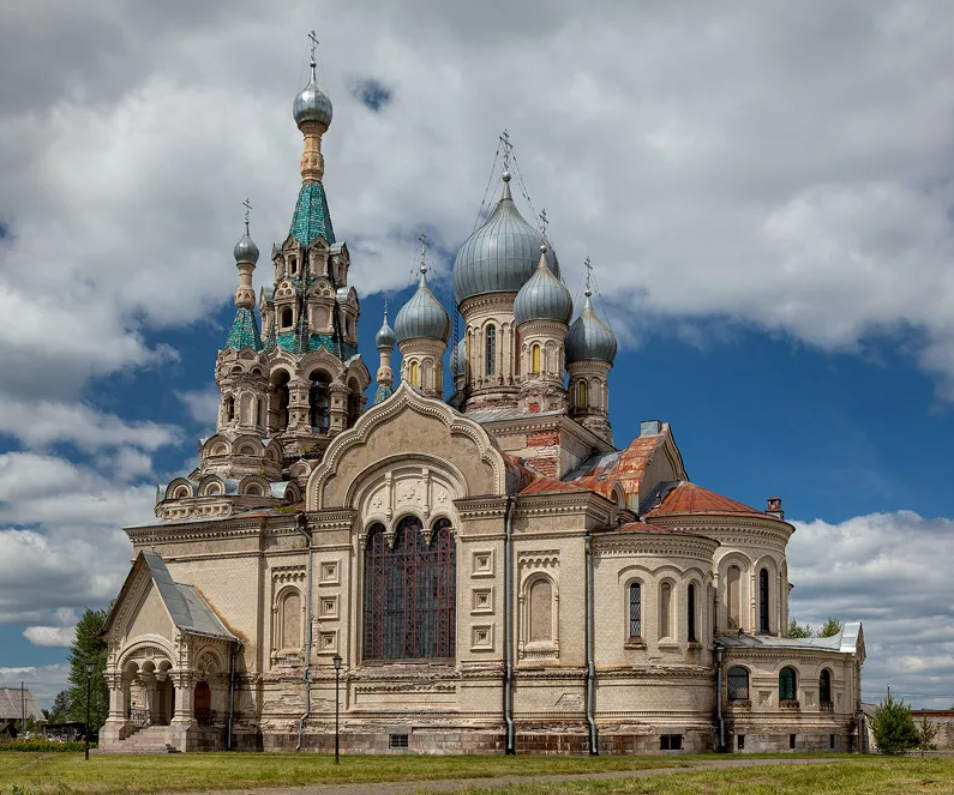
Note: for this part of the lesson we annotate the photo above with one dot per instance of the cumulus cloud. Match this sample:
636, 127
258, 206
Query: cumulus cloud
889, 571
202, 405
43, 681
51, 636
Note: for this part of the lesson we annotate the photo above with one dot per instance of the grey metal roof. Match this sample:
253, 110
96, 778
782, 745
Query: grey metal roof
458, 361
312, 104
422, 317
245, 250
502, 415
601, 460
589, 338
846, 641
385, 338
543, 297
13, 704
501, 255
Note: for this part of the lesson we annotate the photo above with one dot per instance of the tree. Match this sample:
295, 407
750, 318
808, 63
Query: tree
927, 731
87, 647
796, 631
894, 728
61, 708
830, 628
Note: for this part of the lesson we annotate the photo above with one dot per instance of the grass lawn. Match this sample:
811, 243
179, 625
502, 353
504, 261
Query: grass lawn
69, 774
862, 776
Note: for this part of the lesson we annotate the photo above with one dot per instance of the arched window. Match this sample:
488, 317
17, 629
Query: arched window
635, 610
665, 610
764, 601
229, 408
491, 351
410, 593
290, 621
824, 687
415, 374
541, 610
738, 684
318, 403
787, 685
288, 317
535, 359
279, 400
581, 395
733, 597
691, 612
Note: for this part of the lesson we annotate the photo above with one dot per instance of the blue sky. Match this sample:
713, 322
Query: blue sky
767, 197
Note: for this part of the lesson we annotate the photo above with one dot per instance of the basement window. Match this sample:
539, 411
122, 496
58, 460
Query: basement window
397, 741
670, 742
831, 741
740, 742
791, 741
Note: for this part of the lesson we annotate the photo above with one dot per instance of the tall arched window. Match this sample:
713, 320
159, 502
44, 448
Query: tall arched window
738, 684
582, 397
491, 350
665, 610
288, 318
824, 687
764, 601
229, 408
733, 597
410, 593
415, 374
535, 359
279, 400
318, 407
691, 612
787, 685
541, 610
635, 610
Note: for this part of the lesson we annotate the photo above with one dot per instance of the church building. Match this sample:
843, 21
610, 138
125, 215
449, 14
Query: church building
491, 572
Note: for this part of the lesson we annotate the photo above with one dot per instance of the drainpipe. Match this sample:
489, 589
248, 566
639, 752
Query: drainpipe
720, 721
228, 739
508, 627
302, 524
590, 666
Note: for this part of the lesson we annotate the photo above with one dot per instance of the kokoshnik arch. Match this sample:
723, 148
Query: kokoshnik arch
497, 575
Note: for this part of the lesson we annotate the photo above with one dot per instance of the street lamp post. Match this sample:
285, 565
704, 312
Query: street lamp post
89, 680
337, 662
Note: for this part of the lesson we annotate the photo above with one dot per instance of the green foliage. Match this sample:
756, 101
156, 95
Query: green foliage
894, 728
830, 628
42, 746
927, 731
87, 647
797, 631
61, 708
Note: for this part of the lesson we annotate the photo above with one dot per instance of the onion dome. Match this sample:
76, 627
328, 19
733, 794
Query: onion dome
458, 361
422, 316
589, 338
245, 251
312, 104
385, 337
501, 255
543, 297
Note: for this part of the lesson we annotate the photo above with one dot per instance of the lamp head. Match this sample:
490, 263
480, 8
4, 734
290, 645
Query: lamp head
337, 659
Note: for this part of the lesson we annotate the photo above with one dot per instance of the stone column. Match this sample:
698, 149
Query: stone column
338, 408
185, 696
298, 408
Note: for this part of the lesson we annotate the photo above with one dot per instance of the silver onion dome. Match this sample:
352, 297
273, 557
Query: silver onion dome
543, 297
501, 255
245, 250
589, 338
422, 316
458, 360
312, 104
385, 338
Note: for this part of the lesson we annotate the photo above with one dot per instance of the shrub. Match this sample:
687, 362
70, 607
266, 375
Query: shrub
43, 746
894, 728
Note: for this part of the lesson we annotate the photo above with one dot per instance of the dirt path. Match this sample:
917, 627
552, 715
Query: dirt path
460, 784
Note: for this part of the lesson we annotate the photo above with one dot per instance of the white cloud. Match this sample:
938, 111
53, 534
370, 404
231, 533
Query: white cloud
890, 571
202, 404
51, 636
43, 681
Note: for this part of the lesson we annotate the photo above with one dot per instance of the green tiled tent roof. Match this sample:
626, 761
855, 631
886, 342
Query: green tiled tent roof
244, 331
383, 393
343, 351
312, 218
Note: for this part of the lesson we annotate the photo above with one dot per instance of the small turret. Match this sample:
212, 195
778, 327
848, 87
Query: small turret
385, 340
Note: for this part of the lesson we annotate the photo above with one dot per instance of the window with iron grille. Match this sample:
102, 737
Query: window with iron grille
491, 350
670, 742
635, 610
764, 600
824, 687
410, 593
397, 741
787, 685
738, 681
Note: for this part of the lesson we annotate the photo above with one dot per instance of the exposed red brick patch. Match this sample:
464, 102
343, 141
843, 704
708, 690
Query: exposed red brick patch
543, 438
545, 466
534, 408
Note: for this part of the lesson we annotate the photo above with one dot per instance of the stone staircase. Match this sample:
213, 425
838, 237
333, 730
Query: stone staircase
151, 740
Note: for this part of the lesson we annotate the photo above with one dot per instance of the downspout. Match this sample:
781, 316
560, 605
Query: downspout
302, 524
228, 738
508, 628
590, 665
720, 721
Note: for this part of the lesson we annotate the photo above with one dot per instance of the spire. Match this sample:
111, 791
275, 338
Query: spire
244, 332
385, 340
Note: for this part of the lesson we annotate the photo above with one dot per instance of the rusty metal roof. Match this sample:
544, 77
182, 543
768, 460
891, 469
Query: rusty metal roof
686, 497
627, 467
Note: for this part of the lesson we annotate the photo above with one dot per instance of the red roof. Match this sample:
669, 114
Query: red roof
627, 468
690, 498
642, 527
543, 485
